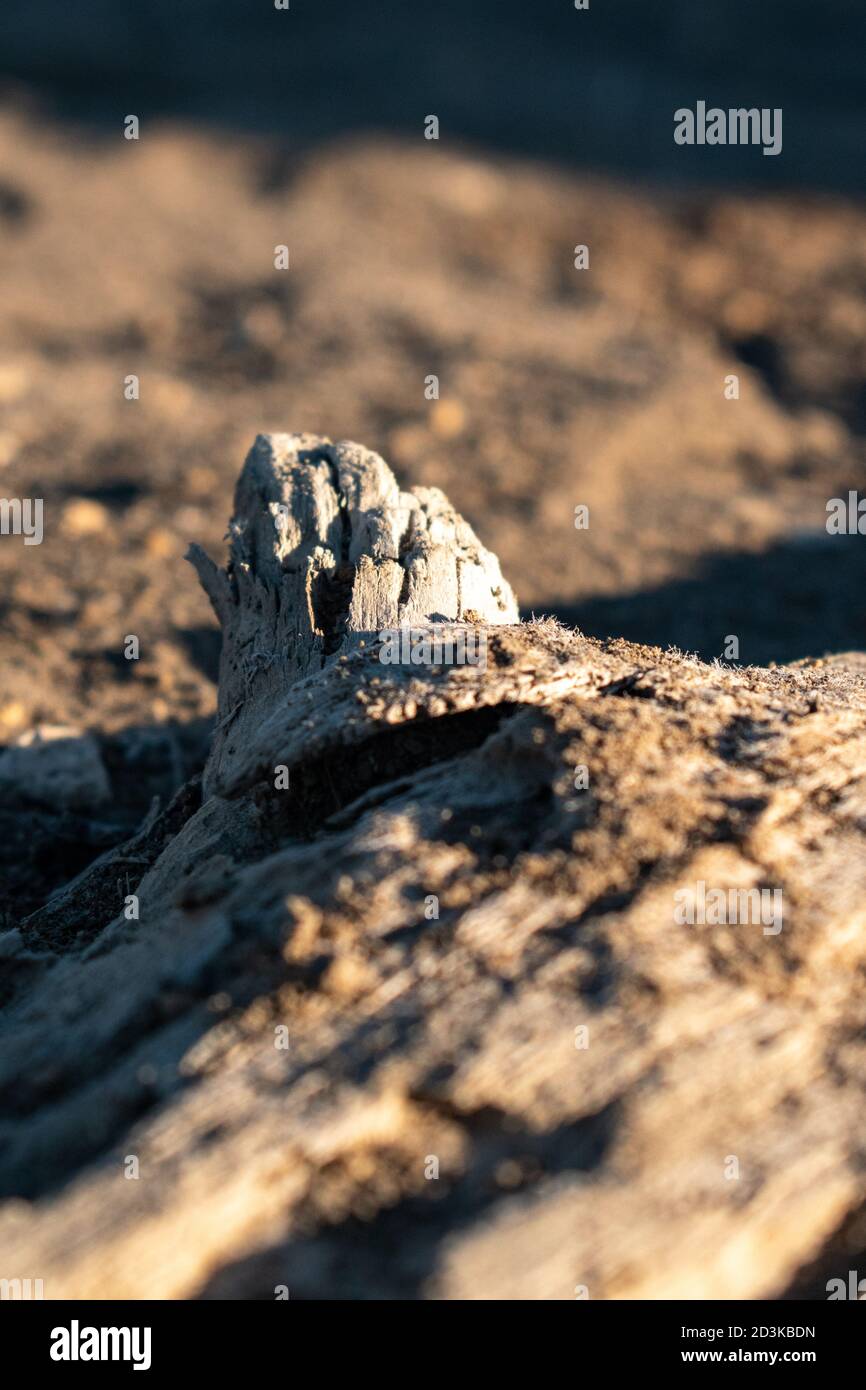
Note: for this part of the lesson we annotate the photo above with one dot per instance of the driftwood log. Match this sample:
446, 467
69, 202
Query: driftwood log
409, 1008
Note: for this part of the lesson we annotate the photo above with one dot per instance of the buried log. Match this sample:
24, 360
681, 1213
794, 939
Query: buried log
442, 1013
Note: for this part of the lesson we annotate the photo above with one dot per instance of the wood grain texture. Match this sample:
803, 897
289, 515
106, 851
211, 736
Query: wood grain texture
433, 907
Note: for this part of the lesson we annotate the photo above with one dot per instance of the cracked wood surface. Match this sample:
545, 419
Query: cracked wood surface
434, 907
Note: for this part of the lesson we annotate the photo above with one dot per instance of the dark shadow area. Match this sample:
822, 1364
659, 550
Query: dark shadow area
203, 646
398, 1251
838, 1267
800, 599
793, 385
325, 786
117, 495
594, 88
47, 837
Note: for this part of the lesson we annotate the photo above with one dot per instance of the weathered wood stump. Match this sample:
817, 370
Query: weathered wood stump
327, 552
430, 1021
